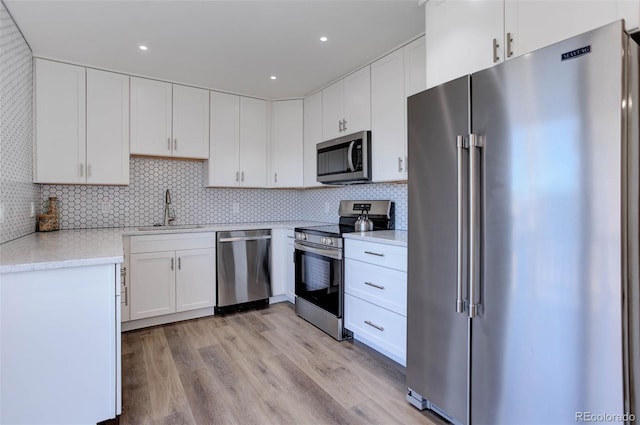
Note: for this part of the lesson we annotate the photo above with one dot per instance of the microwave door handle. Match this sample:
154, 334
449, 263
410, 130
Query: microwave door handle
350, 156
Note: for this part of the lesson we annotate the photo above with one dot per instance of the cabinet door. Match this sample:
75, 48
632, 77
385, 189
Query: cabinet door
629, 10
357, 101
152, 284
107, 127
253, 142
195, 279
278, 262
286, 144
291, 269
150, 117
224, 141
388, 116
415, 67
60, 122
332, 110
459, 37
312, 136
524, 19
190, 122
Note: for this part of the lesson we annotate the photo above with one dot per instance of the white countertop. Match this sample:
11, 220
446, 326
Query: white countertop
389, 237
65, 248
87, 247
220, 227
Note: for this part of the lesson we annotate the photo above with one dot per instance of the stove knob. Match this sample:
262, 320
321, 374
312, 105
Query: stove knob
329, 241
323, 241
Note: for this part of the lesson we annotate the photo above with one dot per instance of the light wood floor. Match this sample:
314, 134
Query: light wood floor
258, 367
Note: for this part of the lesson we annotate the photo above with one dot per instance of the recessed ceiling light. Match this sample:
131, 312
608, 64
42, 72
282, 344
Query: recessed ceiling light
323, 38
143, 47
273, 77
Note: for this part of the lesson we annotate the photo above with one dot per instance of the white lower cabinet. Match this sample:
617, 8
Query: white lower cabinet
291, 267
60, 339
171, 273
377, 327
153, 284
195, 279
375, 305
282, 265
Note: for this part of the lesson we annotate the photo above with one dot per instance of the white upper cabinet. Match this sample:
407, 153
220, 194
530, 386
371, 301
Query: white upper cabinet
82, 125
169, 119
60, 123
460, 37
253, 142
224, 142
393, 78
238, 141
388, 117
286, 144
415, 67
312, 136
107, 127
465, 36
357, 101
332, 110
346, 105
530, 25
151, 117
190, 122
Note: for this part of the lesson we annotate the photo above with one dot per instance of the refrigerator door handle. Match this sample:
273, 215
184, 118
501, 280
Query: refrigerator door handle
461, 144
474, 142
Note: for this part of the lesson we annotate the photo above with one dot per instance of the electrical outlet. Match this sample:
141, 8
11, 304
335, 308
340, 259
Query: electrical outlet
327, 207
33, 210
107, 207
236, 208
1, 213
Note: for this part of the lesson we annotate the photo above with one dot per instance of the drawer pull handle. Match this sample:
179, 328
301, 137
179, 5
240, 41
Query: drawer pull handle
373, 325
374, 285
374, 253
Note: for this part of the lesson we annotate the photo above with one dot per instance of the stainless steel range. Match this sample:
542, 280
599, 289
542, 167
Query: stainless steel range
319, 264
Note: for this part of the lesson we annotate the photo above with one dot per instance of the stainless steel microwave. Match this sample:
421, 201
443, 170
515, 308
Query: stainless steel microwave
346, 159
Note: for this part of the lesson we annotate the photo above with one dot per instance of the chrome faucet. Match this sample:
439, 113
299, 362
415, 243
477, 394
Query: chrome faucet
169, 213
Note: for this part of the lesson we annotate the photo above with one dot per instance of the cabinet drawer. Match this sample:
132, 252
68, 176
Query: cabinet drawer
382, 327
394, 257
379, 285
172, 242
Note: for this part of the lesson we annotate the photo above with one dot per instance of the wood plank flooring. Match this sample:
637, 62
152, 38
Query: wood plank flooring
258, 367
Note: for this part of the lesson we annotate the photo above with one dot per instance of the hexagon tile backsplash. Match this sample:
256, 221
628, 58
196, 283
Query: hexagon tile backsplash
142, 202
17, 191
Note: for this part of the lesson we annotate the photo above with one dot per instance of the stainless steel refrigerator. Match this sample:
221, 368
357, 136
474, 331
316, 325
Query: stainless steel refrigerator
523, 238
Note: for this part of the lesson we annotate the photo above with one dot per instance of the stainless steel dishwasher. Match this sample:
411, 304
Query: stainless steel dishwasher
243, 264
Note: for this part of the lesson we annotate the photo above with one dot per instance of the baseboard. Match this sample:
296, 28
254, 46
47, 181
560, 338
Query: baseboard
166, 318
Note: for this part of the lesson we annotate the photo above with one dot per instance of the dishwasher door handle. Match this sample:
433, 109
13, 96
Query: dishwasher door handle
244, 238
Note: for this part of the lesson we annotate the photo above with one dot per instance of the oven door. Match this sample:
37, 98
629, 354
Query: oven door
319, 276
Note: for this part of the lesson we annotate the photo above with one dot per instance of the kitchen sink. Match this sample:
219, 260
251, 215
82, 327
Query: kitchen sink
178, 227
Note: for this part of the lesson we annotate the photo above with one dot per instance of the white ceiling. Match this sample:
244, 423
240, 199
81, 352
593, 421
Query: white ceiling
233, 46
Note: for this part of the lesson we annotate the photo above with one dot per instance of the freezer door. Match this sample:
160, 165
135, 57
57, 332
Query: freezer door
547, 343
437, 345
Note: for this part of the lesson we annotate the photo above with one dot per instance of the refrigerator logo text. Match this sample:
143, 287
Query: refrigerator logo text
576, 53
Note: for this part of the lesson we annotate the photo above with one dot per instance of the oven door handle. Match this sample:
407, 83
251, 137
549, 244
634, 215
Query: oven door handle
336, 254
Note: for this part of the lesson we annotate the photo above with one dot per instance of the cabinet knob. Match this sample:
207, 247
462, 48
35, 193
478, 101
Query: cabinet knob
399, 164
175, 144
169, 143
496, 58
509, 45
